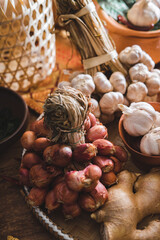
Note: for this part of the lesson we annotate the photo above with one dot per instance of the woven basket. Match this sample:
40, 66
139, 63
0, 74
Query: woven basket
27, 48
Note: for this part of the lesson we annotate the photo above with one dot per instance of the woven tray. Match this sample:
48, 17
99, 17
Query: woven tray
82, 227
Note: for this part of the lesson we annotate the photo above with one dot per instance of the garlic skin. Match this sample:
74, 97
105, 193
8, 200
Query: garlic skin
103, 85
136, 92
84, 83
139, 72
147, 60
130, 55
118, 81
143, 13
150, 142
95, 109
64, 84
109, 102
157, 120
153, 84
137, 122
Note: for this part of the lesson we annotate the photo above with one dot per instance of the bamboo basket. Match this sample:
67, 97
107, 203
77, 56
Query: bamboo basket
27, 48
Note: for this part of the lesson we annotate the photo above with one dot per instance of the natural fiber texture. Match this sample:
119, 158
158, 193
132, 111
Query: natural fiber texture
27, 48
88, 34
64, 114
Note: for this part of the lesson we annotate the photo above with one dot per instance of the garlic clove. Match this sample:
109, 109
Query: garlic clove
103, 85
150, 143
147, 60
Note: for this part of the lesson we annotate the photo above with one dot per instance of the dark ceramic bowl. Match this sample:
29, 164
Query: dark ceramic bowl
14, 116
132, 144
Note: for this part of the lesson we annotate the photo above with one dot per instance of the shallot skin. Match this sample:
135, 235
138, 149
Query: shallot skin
58, 154
98, 131
37, 196
104, 147
71, 211
39, 128
84, 152
27, 140
51, 201
30, 159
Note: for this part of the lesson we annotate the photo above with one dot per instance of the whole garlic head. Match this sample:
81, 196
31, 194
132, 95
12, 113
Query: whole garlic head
103, 85
153, 84
139, 72
150, 142
147, 60
109, 102
143, 13
136, 121
130, 55
136, 92
84, 83
118, 81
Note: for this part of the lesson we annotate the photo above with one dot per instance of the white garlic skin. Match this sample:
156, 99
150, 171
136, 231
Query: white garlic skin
109, 102
103, 85
139, 72
130, 55
64, 84
95, 109
118, 81
147, 60
153, 84
143, 13
136, 92
137, 122
157, 120
150, 142
84, 83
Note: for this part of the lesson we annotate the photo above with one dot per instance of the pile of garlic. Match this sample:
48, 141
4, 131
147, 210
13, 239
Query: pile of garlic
142, 83
141, 119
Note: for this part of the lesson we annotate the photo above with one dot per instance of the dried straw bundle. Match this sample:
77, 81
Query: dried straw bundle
97, 51
64, 114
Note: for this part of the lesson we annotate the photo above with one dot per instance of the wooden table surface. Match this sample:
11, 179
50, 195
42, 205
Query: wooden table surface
16, 218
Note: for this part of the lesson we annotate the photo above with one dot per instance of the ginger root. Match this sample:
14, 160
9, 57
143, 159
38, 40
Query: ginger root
130, 201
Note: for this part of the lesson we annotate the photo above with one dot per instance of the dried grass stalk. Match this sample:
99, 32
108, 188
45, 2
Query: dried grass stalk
80, 18
64, 113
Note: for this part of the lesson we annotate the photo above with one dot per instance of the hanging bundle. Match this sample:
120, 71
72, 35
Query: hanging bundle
64, 113
81, 20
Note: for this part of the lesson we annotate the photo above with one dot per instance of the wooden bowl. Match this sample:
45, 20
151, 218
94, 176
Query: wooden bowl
132, 144
15, 110
123, 36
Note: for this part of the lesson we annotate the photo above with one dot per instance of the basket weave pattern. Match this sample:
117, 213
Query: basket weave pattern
27, 48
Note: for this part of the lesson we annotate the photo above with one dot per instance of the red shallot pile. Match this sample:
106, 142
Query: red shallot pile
71, 178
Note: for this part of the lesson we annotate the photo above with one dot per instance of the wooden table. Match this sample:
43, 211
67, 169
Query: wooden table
16, 218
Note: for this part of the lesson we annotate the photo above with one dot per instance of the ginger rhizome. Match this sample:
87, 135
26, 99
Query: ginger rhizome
129, 202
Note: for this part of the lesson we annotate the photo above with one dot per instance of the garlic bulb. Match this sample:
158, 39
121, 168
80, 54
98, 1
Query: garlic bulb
143, 13
130, 55
157, 120
109, 102
153, 84
95, 109
147, 60
103, 85
118, 81
64, 84
137, 122
150, 142
139, 72
156, 71
84, 83
136, 92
